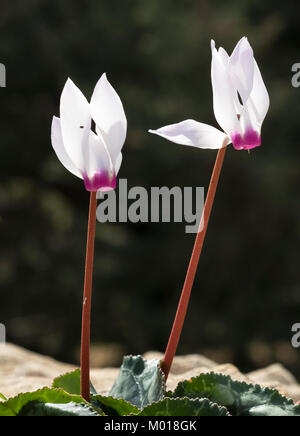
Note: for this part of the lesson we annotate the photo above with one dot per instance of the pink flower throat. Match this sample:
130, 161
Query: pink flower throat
101, 180
249, 140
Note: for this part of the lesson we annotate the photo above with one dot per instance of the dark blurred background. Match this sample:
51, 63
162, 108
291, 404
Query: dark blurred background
157, 55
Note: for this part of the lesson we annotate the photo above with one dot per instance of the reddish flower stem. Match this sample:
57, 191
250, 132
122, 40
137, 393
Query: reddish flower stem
191, 273
87, 300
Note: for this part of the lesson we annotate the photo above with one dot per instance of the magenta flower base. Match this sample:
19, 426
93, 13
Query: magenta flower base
250, 140
102, 181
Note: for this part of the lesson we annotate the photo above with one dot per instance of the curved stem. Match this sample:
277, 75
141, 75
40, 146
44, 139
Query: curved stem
87, 300
191, 273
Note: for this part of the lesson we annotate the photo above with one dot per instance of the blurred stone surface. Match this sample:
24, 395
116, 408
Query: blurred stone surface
23, 371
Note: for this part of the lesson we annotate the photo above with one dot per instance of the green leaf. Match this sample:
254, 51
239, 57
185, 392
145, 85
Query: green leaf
140, 382
36, 408
184, 407
2, 397
71, 383
241, 399
13, 406
113, 406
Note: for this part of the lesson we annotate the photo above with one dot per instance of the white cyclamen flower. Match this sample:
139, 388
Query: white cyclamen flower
241, 103
94, 157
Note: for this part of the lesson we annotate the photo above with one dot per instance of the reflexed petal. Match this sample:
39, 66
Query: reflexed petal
99, 173
224, 57
242, 68
118, 163
59, 148
223, 93
194, 134
254, 113
259, 98
113, 183
75, 122
109, 116
96, 156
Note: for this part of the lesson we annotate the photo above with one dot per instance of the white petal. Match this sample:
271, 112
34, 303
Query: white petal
242, 68
75, 122
96, 156
259, 96
224, 57
223, 93
194, 134
257, 105
109, 116
118, 163
59, 148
